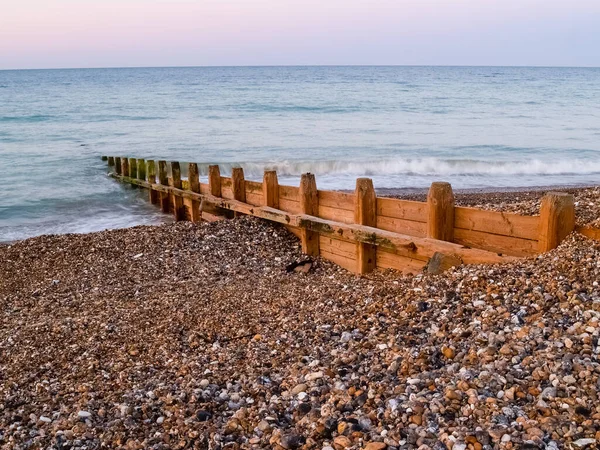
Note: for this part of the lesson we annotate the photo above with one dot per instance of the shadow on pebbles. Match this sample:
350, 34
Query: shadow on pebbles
195, 336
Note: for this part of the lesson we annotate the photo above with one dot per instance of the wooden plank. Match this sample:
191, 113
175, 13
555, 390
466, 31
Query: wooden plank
289, 193
338, 246
163, 179
390, 260
270, 189
133, 168
402, 209
289, 205
153, 195
339, 215
409, 227
590, 232
118, 166
557, 219
125, 167
141, 167
440, 216
204, 188
496, 243
187, 208
111, 161
226, 187
194, 182
254, 199
365, 213
494, 222
238, 184
294, 230
178, 207
342, 261
309, 204
214, 180
337, 200
253, 186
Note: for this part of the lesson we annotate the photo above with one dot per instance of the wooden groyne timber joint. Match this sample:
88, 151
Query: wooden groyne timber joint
359, 231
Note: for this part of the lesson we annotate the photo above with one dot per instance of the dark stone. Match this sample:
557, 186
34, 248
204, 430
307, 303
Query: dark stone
203, 415
304, 408
582, 410
292, 441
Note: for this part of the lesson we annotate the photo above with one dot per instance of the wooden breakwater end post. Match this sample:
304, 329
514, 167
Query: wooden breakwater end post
152, 194
557, 219
104, 158
111, 161
178, 209
440, 217
365, 213
163, 179
361, 231
194, 181
309, 204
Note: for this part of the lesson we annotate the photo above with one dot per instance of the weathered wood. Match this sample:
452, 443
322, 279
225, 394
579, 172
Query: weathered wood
402, 209
163, 179
118, 166
309, 204
337, 214
153, 195
125, 167
270, 189
496, 243
557, 219
104, 158
178, 208
440, 262
410, 227
387, 259
440, 218
365, 213
495, 222
238, 185
133, 167
214, 180
337, 200
141, 169
194, 180
590, 232
418, 247
111, 161
288, 192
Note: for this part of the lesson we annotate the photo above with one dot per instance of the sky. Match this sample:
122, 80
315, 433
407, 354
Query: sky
151, 33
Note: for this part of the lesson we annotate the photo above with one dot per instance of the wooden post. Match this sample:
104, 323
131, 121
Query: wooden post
153, 195
270, 189
104, 158
309, 204
557, 219
141, 167
440, 220
214, 181
163, 178
365, 213
118, 166
125, 167
238, 185
133, 167
111, 161
178, 208
194, 179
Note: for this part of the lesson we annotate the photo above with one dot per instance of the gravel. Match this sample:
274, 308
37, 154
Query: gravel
196, 336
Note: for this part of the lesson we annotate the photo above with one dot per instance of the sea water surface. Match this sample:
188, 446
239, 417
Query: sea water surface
475, 127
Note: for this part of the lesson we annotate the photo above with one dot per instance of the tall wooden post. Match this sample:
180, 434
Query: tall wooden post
214, 180
141, 168
440, 220
270, 189
163, 178
178, 208
153, 195
125, 166
194, 179
111, 161
118, 166
365, 213
309, 204
238, 185
133, 168
557, 219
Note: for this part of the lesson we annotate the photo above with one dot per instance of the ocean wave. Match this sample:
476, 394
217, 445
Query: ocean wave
27, 119
418, 166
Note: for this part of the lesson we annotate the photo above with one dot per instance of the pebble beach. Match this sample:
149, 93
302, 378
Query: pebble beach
196, 336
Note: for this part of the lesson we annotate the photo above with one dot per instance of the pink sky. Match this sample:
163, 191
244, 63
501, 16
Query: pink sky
117, 33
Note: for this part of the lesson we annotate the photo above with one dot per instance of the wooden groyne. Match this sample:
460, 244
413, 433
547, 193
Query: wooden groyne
359, 231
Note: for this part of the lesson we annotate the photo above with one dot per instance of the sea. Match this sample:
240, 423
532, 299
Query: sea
404, 127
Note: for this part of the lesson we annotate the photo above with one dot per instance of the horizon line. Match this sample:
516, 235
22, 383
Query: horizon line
303, 65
